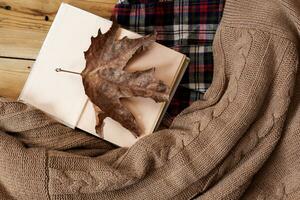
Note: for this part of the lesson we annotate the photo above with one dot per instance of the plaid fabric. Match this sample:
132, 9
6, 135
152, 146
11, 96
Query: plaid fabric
187, 26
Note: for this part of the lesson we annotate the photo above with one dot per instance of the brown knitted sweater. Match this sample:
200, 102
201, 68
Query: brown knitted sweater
241, 141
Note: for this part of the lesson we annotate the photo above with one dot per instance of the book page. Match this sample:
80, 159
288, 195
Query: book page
60, 94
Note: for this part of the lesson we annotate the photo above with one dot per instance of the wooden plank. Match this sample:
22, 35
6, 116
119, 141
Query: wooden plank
20, 43
13, 74
24, 24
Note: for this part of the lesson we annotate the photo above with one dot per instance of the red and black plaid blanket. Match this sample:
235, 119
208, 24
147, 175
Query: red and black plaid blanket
187, 26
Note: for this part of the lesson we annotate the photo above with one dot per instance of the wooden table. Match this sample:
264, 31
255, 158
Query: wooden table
23, 27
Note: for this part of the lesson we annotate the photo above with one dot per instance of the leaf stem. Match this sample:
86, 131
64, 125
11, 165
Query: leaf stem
67, 71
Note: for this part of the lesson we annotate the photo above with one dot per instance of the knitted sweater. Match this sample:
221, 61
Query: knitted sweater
241, 141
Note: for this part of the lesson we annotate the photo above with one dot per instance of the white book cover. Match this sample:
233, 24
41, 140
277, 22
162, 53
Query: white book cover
62, 95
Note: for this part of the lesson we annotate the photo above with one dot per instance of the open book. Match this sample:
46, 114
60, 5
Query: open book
62, 95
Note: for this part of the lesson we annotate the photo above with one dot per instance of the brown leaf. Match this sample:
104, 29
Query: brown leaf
106, 82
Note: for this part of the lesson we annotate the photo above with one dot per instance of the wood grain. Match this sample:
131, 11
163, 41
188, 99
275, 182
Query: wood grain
24, 24
13, 74
23, 27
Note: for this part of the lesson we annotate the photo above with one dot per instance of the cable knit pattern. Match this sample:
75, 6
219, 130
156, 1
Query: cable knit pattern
241, 141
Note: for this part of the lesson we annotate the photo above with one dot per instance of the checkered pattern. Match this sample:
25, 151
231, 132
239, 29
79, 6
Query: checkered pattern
187, 26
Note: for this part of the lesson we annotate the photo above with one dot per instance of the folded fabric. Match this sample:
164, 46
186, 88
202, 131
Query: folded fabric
240, 142
187, 26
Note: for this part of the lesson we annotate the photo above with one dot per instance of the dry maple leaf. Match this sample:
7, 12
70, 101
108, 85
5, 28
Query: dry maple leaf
106, 82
